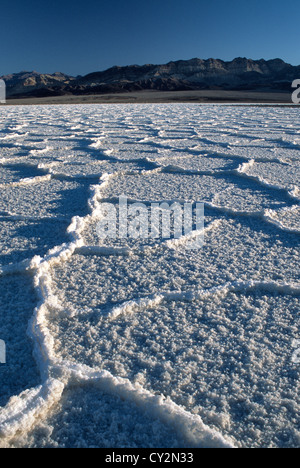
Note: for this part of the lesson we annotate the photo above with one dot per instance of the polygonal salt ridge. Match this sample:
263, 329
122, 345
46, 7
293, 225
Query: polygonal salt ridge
24, 199
144, 260
225, 191
89, 169
274, 175
192, 162
153, 313
287, 219
68, 247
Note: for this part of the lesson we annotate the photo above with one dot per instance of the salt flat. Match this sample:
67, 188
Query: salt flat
142, 342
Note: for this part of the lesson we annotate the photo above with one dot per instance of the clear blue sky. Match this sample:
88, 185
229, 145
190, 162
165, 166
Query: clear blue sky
80, 37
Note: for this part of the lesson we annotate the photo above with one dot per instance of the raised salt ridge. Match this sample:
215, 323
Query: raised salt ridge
143, 342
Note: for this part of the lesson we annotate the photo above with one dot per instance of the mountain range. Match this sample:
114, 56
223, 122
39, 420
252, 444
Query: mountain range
195, 74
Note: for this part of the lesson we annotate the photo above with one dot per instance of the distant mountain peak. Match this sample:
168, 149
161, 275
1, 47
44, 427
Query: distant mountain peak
239, 74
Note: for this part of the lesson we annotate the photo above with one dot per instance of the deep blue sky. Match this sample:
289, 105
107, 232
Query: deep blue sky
80, 37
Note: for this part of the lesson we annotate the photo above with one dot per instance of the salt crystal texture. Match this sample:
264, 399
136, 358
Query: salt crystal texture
143, 342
